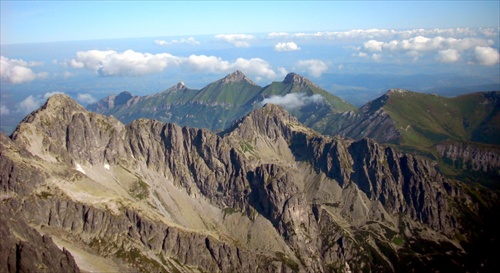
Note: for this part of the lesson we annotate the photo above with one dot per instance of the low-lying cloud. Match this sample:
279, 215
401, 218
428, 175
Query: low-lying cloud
4, 111
190, 41
446, 50
85, 98
448, 56
375, 33
486, 55
19, 71
131, 63
314, 67
290, 46
238, 40
293, 100
33, 102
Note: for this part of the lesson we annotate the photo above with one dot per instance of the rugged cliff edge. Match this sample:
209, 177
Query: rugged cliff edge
266, 195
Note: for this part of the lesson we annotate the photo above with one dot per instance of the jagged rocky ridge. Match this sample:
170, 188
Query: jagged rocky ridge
408, 120
266, 195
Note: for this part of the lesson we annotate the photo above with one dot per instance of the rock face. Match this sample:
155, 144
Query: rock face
23, 249
266, 195
472, 156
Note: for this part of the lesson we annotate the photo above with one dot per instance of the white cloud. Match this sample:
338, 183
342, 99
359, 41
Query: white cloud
238, 40
85, 98
127, 63
254, 66
131, 63
4, 111
50, 94
390, 34
274, 35
351, 34
190, 40
313, 67
19, 71
293, 100
29, 104
374, 46
422, 44
377, 57
447, 50
448, 56
290, 46
486, 55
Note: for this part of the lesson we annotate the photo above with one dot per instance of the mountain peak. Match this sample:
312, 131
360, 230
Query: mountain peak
178, 87
236, 76
294, 78
61, 100
396, 91
270, 120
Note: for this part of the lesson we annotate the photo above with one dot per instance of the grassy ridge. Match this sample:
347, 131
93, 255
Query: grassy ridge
425, 120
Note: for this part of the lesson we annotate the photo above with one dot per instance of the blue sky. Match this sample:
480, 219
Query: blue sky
356, 50
49, 21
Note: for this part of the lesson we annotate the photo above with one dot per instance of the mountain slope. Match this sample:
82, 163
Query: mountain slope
266, 195
313, 105
423, 120
219, 103
432, 126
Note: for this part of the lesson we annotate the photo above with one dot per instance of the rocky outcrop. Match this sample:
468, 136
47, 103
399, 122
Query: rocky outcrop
371, 121
471, 156
163, 196
23, 249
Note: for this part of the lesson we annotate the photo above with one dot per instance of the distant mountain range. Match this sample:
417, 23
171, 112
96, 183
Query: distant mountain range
219, 103
416, 122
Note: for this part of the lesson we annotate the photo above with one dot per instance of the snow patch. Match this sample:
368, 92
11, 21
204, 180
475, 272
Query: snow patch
106, 166
79, 168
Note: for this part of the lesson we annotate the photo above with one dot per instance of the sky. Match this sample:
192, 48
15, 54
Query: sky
356, 50
50, 21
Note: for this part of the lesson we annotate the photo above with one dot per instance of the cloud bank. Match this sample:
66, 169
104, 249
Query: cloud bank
190, 40
19, 71
447, 50
131, 63
385, 34
293, 100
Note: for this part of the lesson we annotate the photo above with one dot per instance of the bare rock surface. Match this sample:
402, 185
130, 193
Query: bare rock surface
266, 195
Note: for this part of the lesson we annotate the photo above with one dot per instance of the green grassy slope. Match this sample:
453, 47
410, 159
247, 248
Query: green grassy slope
425, 119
